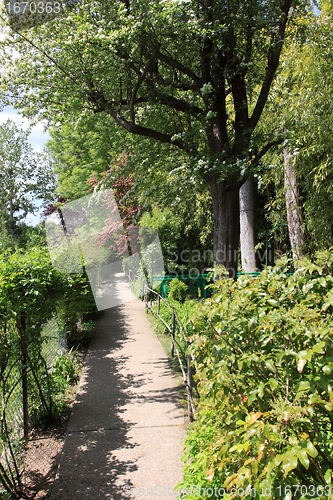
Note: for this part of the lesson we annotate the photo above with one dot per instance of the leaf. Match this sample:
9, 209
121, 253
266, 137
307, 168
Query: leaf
304, 385
270, 365
322, 281
307, 287
303, 458
311, 450
290, 464
252, 397
261, 389
238, 447
302, 358
286, 414
230, 481
293, 440
251, 432
210, 475
254, 417
314, 398
328, 476
273, 383
320, 347
327, 304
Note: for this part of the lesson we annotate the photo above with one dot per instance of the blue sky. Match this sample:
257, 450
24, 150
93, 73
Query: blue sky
37, 138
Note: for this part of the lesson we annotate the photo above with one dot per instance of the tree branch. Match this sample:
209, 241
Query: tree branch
238, 89
135, 129
141, 80
272, 64
207, 49
183, 69
177, 104
168, 82
264, 150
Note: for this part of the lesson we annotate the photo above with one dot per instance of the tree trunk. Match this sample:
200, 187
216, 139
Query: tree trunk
294, 212
225, 201
246, 218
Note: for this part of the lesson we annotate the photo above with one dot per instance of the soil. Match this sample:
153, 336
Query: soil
43, 452
44, 447
42, 458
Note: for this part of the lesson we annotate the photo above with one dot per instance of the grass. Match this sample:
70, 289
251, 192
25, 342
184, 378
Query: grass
165, 339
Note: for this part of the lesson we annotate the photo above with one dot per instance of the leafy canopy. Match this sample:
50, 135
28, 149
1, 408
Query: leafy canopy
128, 61
25, 176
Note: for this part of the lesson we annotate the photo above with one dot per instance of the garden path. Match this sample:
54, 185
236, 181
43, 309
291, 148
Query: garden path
124, 435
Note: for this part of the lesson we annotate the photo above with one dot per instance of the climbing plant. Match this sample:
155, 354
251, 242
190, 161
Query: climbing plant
32, 291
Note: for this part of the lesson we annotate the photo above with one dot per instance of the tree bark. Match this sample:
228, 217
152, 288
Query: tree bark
246, 218
294, 212
225, 201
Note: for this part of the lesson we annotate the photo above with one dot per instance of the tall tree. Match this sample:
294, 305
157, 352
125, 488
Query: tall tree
25, 176
247, 226
301, 110
294, 210
127, 60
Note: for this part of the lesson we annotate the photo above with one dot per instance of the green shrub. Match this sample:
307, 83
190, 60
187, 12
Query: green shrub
80, 336
177, 290
264, 364
65, 372
33, 294
77, 305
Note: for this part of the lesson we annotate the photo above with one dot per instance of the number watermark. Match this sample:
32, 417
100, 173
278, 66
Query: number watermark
31, 7
25, 14
305, 490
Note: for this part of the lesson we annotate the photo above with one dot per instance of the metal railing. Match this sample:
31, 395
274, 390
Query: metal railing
185, 360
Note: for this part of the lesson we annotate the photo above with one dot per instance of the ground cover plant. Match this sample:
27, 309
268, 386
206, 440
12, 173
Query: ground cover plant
264, 361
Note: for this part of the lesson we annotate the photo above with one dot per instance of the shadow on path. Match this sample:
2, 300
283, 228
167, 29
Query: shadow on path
124, 433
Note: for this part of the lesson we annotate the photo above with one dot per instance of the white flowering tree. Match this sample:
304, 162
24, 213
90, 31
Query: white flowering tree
193, 75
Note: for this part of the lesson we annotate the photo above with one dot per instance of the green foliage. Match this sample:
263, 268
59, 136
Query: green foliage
264, 362
83, 147
300, 112
77, 305
166, 223
184, 223
80, 335
24, 177
177, 290
65, 373
29, 284
184, 312
37, 303
31, 291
